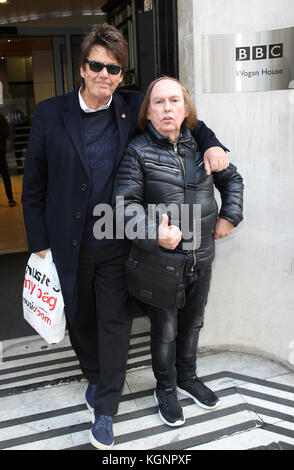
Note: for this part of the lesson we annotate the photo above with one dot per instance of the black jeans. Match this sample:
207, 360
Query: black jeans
101, 329
5, 175
175, 333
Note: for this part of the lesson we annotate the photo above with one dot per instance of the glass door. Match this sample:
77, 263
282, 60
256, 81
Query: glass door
66, 62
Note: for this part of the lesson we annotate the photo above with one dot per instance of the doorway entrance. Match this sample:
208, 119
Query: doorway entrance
31, 69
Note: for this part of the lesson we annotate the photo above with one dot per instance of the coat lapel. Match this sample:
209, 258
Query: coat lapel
73, 123
123, 120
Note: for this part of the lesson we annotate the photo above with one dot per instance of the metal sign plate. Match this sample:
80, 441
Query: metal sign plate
252, 61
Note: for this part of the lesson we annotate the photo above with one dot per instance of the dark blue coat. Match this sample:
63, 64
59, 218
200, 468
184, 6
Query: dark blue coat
56, 180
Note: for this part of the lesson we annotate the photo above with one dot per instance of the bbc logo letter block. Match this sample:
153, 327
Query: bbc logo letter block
272, 51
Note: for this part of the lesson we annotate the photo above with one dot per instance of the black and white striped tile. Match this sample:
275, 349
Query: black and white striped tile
42, 402
35, 365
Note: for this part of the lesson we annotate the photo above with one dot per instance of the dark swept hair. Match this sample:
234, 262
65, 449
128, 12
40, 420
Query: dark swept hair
191, 120
109, 37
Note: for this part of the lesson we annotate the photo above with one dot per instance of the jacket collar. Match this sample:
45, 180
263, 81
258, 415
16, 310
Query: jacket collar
185, 136
123, 120
72, 101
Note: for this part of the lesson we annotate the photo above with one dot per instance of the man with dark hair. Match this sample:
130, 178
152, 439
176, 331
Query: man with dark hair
75, 146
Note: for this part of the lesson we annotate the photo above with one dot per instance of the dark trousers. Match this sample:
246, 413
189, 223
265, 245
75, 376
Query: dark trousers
175, 333
5, 175
101, 329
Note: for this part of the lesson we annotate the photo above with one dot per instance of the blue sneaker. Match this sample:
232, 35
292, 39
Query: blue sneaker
90, 396
101, 434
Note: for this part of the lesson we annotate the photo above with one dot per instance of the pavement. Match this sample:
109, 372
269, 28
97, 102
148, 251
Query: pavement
42, 404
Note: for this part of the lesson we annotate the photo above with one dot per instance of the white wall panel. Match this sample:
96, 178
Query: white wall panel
251, 304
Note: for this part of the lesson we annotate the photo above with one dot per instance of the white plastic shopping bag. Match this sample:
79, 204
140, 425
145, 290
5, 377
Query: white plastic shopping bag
43, 305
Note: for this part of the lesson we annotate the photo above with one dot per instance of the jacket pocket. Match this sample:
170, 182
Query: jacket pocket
162, 166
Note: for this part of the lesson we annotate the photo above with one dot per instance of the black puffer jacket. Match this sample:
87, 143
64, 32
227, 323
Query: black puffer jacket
153, 172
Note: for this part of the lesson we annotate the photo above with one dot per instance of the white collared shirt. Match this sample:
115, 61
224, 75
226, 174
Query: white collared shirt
86, 109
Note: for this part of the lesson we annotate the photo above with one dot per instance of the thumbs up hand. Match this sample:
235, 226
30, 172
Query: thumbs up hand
169, 236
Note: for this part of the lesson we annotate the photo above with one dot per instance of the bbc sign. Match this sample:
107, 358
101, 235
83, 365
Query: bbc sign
255, 61
272, 51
